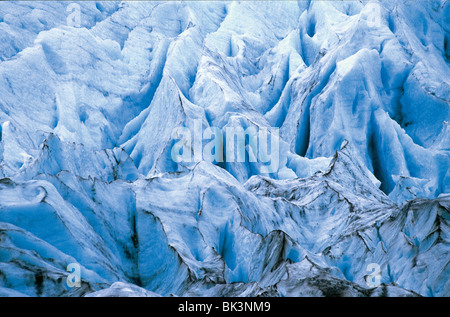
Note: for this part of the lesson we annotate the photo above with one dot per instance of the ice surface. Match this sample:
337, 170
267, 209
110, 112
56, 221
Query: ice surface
360, 94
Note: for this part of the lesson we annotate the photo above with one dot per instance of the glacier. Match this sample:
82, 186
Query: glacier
91, 92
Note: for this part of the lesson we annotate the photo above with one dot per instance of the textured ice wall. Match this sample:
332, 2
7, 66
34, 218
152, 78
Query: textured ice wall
360, 94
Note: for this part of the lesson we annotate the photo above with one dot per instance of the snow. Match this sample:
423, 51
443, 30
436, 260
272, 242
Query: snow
89, 117
120, 289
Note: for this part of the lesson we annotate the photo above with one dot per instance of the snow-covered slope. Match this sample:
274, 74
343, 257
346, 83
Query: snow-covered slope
360, 92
